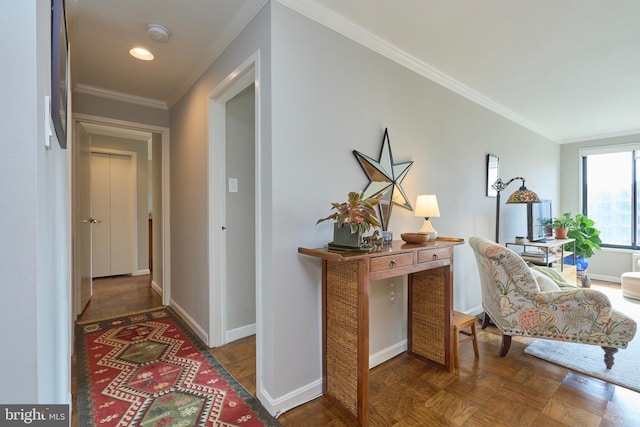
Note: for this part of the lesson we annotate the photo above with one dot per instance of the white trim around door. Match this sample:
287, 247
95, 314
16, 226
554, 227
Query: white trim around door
165, 287
242, 77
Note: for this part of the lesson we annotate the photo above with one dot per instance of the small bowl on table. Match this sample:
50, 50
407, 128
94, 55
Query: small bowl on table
415, 238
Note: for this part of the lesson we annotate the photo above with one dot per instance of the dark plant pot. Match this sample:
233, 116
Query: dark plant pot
561, 233
342, 236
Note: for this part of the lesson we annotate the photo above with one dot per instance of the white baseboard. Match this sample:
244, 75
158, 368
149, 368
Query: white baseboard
199, 331
475, 310
241, 332
141, 272
313, 390
156, 287
387, 353
614, 279
300, 396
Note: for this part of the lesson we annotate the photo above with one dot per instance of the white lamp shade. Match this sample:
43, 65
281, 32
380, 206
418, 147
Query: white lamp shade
427, 206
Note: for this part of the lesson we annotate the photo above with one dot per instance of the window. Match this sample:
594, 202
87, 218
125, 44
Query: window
610, 193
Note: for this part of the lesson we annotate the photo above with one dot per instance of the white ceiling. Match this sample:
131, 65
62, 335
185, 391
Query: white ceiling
567, 69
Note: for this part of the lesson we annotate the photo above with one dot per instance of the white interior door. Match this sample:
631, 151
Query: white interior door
112, 205
100, 207
122, 214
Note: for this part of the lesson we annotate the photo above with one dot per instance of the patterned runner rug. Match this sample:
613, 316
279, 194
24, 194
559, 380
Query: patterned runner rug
148, 369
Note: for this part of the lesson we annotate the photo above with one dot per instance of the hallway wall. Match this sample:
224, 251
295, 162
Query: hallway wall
34, 218
331, 96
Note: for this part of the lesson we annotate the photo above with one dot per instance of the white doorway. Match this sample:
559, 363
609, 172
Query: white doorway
230, 190
159, 169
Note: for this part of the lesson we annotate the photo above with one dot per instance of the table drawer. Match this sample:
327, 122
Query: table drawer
390, 262
428, 255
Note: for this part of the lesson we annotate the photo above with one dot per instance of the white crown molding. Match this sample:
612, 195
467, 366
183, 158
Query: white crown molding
325, 16
117, 132
230, 32
601, 136
119, 96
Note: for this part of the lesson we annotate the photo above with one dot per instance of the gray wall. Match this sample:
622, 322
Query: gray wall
142, 178
607, 264
104, 107
240, 207
34, 218
189, 187
331, 96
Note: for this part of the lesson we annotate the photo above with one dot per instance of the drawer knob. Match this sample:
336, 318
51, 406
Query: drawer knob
435, 256
393, 263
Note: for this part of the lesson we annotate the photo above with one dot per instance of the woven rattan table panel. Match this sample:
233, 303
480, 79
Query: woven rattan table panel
342, 332
429, 314
346, 278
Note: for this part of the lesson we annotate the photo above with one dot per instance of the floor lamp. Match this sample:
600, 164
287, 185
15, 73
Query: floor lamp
522, 195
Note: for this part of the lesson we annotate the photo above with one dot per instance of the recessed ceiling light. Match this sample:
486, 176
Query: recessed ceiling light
140, 53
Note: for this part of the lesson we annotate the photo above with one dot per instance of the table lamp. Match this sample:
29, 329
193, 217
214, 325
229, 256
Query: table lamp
427, 207
522, 195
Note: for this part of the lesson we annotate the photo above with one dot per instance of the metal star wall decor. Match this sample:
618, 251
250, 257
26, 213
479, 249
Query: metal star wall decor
385, 179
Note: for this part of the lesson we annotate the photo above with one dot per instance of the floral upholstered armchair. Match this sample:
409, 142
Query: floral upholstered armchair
520, 301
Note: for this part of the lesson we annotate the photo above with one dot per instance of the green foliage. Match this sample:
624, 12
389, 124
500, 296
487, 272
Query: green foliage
358, 212
564, 221
586, 234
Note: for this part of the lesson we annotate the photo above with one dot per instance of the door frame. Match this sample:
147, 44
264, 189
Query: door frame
242, 77
165, 289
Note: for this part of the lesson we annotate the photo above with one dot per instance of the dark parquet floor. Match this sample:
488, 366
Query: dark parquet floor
518, 390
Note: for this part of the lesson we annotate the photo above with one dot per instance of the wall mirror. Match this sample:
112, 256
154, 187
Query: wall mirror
493, 163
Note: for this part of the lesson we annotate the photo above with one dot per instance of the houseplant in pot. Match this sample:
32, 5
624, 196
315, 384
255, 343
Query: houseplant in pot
352, 218
587, 238
561, 225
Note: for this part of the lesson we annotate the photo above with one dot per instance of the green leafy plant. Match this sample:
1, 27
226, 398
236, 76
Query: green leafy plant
358, 212
586, 234
564, 221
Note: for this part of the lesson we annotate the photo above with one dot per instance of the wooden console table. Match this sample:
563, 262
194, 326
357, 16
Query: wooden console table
345, 313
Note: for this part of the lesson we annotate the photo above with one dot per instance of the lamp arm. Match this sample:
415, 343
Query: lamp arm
499, 185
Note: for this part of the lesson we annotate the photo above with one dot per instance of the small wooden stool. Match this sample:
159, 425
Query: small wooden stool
460, 322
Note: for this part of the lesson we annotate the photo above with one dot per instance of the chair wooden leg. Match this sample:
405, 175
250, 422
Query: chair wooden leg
609, 355
485, 320
506, 345
456, 348
475, 340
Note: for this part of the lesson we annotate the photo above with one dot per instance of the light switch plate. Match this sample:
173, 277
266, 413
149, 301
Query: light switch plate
233, 185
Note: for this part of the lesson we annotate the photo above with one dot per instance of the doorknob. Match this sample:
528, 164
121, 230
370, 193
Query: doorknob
91, 220
224, 228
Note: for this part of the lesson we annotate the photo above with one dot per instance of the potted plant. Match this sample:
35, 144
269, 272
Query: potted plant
352, 218
561, 225
587, 238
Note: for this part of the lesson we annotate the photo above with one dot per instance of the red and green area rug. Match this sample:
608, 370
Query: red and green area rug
148, 369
